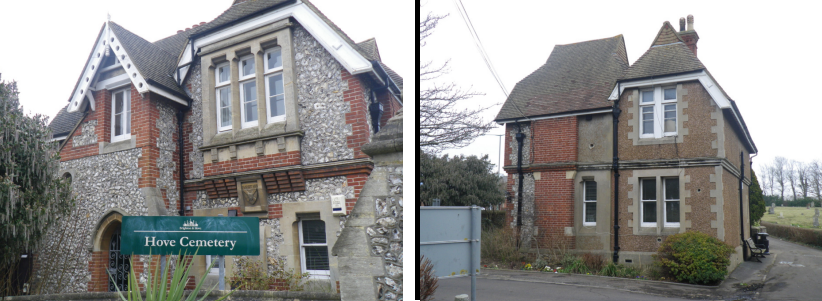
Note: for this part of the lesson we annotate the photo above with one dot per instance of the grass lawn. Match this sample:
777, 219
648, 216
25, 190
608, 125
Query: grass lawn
794, 216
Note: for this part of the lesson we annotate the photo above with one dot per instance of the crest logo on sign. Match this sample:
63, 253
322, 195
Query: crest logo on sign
190, 225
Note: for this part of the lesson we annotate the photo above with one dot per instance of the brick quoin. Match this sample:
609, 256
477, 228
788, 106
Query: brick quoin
354, 96
357, 181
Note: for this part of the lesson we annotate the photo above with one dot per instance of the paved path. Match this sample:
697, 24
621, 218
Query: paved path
498, 289
791, 272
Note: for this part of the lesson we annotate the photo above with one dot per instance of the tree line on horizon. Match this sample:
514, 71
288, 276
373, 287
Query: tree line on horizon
790, 182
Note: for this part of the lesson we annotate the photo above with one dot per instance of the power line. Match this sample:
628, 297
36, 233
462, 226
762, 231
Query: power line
478, 43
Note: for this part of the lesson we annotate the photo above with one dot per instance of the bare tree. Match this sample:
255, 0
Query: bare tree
790, 175
779, 175
815, 171
802, 177
443, 124
766, 179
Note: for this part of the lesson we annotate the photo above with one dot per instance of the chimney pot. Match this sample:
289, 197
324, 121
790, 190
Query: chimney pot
690, 22
682, 24
187, 28
179, 31
202, 23
194, 26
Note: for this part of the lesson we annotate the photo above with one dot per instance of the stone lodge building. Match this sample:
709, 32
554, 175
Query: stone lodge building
263, 111
609, 158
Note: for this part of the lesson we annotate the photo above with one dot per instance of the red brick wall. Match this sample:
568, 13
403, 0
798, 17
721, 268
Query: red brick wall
357, 181
357, 116
554, 203
253, 163
555, 140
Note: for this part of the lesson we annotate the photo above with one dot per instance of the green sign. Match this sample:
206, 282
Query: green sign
208, 235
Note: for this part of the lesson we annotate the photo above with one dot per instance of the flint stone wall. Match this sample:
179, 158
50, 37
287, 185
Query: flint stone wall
320, 98
167, 126
194, 88
87, 135
100, 184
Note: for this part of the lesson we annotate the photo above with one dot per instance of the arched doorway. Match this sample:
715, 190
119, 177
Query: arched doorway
118, 264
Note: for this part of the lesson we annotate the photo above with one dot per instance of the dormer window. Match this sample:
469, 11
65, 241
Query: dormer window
657, 109
248, 92
274, 90
223, 93
121, 115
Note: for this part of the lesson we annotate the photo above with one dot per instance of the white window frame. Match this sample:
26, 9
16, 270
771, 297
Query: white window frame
665, 203
642, 222
244, 80
217, 87
585, 201
240, 67
269, 73
658, 112
315, 274
126, 115
215, 270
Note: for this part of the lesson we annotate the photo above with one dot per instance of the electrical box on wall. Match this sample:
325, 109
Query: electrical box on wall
338, 205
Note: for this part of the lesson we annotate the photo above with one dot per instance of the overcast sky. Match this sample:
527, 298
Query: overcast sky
44, 44
766, 57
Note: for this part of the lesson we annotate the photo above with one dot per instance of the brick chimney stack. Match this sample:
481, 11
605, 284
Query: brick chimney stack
689, 36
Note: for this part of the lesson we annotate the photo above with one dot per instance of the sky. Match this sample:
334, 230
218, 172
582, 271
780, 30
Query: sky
44, 44
766, 57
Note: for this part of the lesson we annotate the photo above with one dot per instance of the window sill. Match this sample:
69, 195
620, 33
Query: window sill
106, 147
250, 135
654, 141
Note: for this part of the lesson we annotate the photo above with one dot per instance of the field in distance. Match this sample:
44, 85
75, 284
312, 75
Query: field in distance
795, 216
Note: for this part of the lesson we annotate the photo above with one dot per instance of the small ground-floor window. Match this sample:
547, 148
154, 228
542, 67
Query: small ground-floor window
314, 249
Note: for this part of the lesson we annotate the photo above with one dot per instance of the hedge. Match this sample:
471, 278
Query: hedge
803, 235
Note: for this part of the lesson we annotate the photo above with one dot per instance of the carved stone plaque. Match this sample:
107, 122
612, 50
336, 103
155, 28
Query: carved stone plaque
252, 195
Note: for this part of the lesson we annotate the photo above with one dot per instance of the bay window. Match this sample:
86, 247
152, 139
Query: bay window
274, 90
223, 94
248, 92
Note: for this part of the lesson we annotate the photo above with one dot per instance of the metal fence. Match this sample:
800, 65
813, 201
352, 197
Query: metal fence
450, 238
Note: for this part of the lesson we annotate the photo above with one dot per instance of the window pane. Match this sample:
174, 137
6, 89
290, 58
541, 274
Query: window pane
647, 127
647, 96
670, 94
275, 84
225, 117
316, 258
649, 189
277, 104
248, 67
118, 127
672, 212
670, 111
224, 99
649, 212
127, 118
670, 125
275, 59
118, 102
672, 188
647, 120
250, 100
222, 72
314, 232
590, 212
590, 190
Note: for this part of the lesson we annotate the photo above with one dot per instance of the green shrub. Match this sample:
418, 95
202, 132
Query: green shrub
803, 235
618, 270
593, 262
694, 257
574, 264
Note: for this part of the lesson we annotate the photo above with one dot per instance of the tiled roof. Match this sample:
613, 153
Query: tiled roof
64, 122
664, 60
369, 47
394, 76
154, 63
576, 77
667, 55
666, 35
